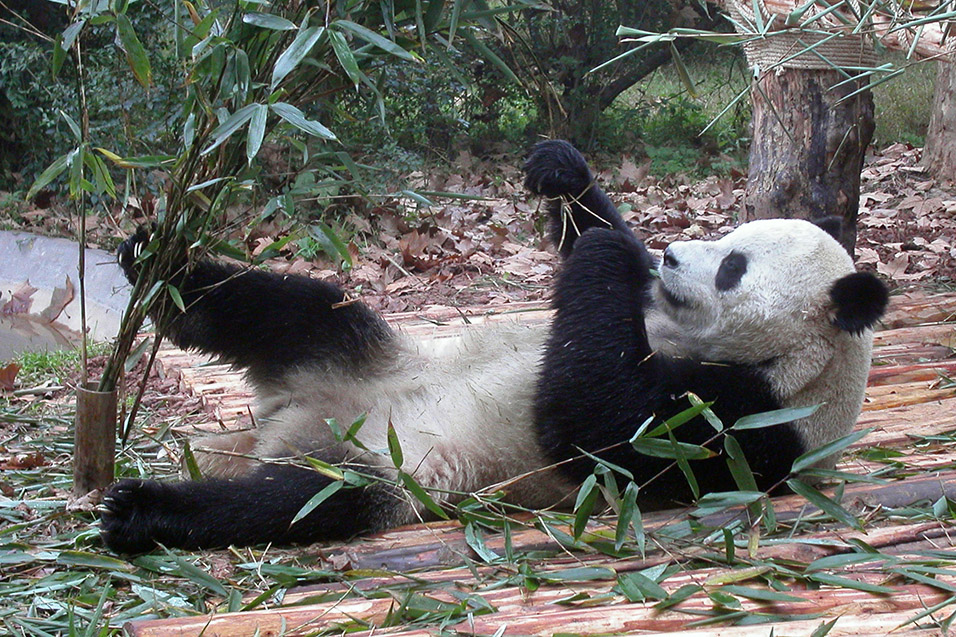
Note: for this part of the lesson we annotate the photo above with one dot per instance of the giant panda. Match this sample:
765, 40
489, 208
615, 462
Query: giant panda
772, 315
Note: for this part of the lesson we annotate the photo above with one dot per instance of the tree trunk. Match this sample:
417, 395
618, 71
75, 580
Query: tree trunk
939, 153
807, 149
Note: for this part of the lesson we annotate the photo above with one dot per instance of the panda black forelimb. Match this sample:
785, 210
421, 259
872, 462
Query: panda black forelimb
555, 169
599, 334
268, 323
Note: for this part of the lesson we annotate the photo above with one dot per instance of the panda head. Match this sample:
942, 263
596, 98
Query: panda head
765, 290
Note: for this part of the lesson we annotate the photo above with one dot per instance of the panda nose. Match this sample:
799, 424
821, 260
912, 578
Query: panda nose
670, 261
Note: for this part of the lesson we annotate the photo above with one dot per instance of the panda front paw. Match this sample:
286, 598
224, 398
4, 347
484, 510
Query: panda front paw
128, 516
556, 168
130, 250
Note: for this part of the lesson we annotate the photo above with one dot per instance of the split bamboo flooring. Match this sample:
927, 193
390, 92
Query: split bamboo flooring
910, 405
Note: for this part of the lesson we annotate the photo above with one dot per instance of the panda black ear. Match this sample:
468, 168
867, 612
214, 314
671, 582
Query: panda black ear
860, 299
832, 225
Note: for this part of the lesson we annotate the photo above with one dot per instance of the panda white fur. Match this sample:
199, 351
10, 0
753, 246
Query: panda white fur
772, 315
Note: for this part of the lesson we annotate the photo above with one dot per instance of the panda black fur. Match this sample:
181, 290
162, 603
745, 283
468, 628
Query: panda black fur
771, 315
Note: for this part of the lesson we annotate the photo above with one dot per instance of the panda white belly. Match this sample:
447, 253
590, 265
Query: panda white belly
461, 408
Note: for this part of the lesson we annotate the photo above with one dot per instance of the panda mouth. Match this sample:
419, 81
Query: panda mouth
670, 297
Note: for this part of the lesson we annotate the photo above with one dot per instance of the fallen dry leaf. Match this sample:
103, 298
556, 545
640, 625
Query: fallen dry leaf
8, 376
20, 301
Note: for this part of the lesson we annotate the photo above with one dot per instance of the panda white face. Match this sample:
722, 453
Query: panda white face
754, 294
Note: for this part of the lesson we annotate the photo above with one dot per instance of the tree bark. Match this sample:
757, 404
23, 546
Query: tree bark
939, 153
807, 149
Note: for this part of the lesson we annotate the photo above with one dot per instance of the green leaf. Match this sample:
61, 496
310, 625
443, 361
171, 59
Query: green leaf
422, 495
683, 417
637, 587
658, 448
760, 594
268, 21
135, 53
584, 505
257, 131
331, 244
297, 118
176, 296
824, 503
326, 469
846, 582
489, 55
684, 466
290, 58
231, 124
629, 513
579, 574
775, 417
843, 560
92, 560
345, 57
143, 161
101, 175
52, 172
475, 540
327, 492
820, 453
376, 39
394, 446
189, 458
684, 592
739, 467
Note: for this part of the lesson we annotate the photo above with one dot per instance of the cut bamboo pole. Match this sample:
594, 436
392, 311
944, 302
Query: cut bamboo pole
94, 439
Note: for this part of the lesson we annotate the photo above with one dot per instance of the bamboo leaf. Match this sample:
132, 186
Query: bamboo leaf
268, 21
327, 492
584, 505
231, 124
760, 594
257, 131
189, 458
637, 587
476, 541
846, 582
297, 118
176, 296
295, 53
684, 466
422, 495
774, 417
820, 453
630, 514
579, 574
394, 446
489, 55
658, 448
345, 57
824, 503
326, 469
135, 53
376, 39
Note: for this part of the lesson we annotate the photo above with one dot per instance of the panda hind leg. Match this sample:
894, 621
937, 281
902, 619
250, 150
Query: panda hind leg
226, 455
254, 509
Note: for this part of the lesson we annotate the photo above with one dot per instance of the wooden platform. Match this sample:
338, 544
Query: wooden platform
897, 575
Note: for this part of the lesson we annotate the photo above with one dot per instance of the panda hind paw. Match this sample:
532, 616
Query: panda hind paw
126, 516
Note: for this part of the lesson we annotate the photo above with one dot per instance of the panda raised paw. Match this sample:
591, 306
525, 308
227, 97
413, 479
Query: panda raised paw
555, 168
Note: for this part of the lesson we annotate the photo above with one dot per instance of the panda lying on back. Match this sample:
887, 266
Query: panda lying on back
772, 315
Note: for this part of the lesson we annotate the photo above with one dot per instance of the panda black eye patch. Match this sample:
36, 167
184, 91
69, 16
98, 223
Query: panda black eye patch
731, 270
